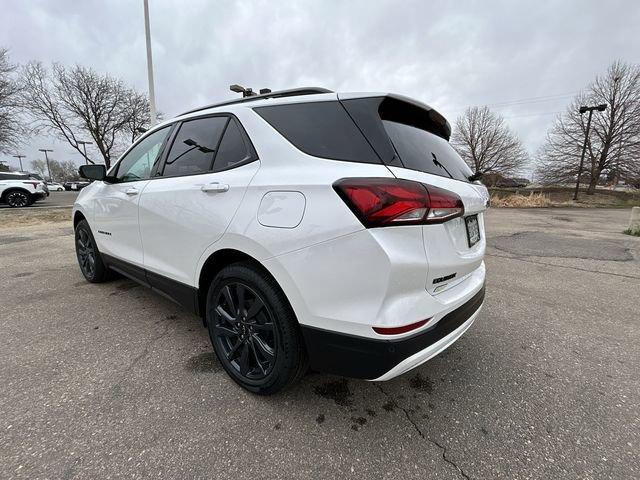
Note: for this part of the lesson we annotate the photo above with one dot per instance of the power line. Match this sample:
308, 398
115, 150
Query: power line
524, 101
532, 114
545, 98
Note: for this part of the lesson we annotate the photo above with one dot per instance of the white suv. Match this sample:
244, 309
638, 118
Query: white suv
20, 189
312, 229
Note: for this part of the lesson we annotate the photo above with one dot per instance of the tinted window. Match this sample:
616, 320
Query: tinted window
7, 176
410, 131
195, 146
321, 129
138, 163
232, 150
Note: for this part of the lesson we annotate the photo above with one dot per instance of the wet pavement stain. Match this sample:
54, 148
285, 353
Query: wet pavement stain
389, 406
320, 419
420, 383
358, 422
371, 412
23, 274
337, 390
203, 362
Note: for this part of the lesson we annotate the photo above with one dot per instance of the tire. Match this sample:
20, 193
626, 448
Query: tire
88, 255
259, 344
18, 199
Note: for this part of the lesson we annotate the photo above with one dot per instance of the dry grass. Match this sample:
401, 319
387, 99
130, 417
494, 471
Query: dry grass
533, 200
12, 218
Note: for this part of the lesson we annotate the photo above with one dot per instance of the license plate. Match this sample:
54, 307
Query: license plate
473, 230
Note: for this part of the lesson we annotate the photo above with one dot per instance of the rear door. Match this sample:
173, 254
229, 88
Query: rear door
190, 203
411, 140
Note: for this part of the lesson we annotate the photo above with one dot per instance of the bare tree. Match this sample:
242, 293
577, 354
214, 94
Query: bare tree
77, 101
39, 167
64, 171
11, 127
487, 144
614, 139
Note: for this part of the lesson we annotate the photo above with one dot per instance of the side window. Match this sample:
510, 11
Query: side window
194, 146
138, 163
232, 150
321, 129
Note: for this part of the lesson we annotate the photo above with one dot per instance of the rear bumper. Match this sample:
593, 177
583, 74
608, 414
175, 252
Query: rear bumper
378, 359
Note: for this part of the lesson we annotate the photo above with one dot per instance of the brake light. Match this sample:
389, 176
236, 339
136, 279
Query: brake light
401, 329
382, 202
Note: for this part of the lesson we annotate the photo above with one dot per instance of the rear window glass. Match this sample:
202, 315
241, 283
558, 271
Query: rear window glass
8, 176
418, 148
321, 129
194, 147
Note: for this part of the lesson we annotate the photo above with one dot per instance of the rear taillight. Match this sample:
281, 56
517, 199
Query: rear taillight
382, 202
35, 184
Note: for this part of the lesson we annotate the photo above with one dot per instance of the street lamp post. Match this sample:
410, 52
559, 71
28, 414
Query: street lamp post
600, 108
84, 147
45, 150
19, 157
152, 94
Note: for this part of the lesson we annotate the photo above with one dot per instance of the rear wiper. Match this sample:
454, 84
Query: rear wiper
475, 176
438, 164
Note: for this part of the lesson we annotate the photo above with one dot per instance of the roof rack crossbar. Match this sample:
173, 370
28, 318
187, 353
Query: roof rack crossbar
279, 94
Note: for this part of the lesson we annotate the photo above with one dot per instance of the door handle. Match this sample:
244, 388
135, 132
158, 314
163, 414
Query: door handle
215, 187
132, 191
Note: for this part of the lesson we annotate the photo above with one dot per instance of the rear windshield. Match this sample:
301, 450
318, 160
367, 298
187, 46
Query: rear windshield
321, 129
423, 151
408, 127
407, 134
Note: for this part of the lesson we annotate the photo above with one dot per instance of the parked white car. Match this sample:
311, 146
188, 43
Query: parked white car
20, 190
307, 228
55, 187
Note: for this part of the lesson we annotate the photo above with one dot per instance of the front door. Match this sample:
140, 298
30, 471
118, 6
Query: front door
116, 227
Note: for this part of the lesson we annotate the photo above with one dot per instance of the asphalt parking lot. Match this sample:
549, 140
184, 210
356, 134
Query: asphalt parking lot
112, 380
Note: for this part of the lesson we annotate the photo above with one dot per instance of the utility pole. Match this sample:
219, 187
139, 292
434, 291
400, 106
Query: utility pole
45, 150
600, 108
152, 94
84, 147
19, 157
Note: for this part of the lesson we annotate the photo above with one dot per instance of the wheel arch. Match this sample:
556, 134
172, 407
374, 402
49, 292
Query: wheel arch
214, 264
15, 189
78, 216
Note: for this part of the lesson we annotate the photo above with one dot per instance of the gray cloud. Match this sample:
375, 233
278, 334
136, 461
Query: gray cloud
449, 55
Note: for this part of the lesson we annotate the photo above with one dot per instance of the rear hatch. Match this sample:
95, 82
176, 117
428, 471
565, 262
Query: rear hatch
412, 140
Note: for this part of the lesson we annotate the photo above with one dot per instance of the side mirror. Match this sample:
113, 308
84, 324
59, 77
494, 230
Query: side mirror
93, 172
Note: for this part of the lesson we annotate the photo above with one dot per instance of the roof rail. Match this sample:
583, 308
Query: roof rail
293, 92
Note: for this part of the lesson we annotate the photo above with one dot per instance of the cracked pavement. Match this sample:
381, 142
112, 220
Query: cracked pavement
114, 381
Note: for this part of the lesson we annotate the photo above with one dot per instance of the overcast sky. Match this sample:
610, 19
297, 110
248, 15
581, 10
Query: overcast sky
447, 54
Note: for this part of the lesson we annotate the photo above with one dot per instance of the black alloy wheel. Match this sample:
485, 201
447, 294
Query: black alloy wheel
253, 329
18, 199
86, 253
244, 331
89, 259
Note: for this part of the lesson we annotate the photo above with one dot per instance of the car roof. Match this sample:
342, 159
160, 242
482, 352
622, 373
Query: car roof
296, 95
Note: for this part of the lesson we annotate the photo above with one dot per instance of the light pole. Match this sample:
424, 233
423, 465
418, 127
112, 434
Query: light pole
45, 150
600, 108
84, 147
19, 157
152, 94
